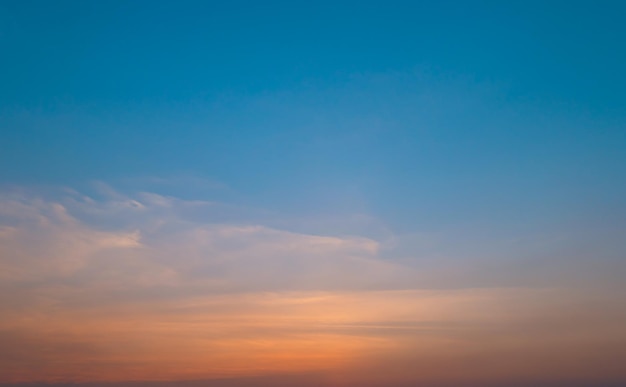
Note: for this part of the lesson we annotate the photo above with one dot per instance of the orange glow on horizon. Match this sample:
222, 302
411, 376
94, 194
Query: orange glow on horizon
274, 333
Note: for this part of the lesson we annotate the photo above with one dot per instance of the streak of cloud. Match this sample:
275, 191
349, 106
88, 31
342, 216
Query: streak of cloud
130, 287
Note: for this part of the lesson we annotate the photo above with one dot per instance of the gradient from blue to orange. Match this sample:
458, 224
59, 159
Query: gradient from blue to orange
322, 193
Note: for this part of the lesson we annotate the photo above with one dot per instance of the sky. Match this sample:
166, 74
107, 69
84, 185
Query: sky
329, 194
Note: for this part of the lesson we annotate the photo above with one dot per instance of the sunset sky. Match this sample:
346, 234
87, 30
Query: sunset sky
312, 194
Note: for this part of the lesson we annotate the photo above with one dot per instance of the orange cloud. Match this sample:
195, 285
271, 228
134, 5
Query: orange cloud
166, 298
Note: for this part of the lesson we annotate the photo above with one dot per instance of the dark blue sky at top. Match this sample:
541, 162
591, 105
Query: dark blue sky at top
128, 52
409, 110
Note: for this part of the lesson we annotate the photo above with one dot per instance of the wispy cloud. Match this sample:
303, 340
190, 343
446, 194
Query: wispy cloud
152, 287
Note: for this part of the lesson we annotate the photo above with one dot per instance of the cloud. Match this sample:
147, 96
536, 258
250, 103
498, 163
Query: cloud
153, 287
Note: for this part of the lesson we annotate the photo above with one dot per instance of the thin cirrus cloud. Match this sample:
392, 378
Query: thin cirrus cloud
131, 288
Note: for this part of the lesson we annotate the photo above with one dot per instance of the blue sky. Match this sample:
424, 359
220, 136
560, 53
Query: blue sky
480, 144
395, 103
